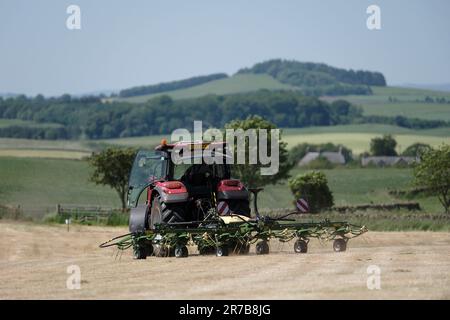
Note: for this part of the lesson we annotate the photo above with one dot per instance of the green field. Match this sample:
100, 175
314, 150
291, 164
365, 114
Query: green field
39, 184
355, 137
235, 84
406, 105
349, 186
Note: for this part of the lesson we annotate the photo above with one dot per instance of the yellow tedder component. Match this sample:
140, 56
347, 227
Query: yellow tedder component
234, 218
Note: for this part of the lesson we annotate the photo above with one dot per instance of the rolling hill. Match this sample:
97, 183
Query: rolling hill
235, 84
410, 102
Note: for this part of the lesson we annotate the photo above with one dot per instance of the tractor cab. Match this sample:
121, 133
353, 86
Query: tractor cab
183, 188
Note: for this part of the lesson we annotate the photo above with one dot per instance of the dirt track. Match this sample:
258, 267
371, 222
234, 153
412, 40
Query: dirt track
34, 261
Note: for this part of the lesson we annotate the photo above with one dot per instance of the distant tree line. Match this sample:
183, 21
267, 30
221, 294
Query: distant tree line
318, 78
90, 118
169, 86
401, 121
25, 132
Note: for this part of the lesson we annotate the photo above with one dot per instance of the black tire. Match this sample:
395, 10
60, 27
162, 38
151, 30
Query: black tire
222, 251
140, 252
244, 249
206, 251
142, 249
181, 252
240, 248
262, 247
339, 245
163, 251
301, 246
160, 213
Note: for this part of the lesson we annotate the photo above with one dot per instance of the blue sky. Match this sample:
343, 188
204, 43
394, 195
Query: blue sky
128, 43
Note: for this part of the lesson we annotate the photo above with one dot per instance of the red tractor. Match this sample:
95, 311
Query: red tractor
183, 193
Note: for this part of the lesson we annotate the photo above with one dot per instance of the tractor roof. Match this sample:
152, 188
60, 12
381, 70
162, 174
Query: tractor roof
164, 146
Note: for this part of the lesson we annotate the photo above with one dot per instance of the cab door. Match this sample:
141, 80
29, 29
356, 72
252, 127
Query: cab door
148, 167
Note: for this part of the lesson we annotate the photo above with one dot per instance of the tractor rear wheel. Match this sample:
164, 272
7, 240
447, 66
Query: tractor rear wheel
300, 246
339, 245
262, 247
160, 213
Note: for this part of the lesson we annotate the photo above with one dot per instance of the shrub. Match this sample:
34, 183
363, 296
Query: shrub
313, 187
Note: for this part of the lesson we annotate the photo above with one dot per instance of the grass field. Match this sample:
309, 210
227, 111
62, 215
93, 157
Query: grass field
353, 186
34, 260
235, 84
38, 184
42, 183
407, 106
355, 137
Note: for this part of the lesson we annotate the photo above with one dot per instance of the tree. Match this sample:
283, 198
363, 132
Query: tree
313, 187
112, 167
384, 146
416, 149
433, 173
249, 174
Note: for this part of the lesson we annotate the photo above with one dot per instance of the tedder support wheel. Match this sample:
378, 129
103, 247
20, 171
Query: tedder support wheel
181, 252
245, 249
140, 253
222, 251
339, 245
142, 249
262, 247
206, 250
301, 246
163, 251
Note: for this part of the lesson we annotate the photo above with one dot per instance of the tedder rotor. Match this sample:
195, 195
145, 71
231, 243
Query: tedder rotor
200, 204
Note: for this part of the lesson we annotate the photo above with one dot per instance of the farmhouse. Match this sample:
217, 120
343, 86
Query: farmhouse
386, 161
333, 157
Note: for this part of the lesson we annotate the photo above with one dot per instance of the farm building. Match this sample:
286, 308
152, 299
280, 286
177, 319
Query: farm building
333, 157
386, 161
